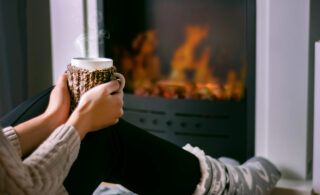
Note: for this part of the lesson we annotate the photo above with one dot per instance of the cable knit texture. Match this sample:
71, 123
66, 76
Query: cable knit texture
81, 80
255, 176
11, 135
44, 170
204, 168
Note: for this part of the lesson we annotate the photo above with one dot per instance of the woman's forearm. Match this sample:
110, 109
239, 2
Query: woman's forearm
43, 171
33, 132
98, 108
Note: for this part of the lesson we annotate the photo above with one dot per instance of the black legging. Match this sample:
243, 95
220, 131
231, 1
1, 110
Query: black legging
121, 154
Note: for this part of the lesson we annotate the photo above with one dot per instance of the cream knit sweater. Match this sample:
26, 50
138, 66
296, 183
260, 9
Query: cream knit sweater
43, 171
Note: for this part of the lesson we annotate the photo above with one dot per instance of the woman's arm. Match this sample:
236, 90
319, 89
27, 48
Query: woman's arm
98, 108
33, 132
44, 170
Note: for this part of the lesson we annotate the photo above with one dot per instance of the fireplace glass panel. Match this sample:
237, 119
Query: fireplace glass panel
182, 49
189, 67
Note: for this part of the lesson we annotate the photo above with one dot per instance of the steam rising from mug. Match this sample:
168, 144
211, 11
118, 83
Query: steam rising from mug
93, 38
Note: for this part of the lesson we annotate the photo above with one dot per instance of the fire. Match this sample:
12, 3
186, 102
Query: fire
184, 59
191, 77
143, 68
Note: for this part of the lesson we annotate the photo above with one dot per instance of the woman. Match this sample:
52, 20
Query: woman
119, 152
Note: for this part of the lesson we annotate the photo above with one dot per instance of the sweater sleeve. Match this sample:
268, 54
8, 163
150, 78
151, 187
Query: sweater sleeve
45, 169
11, 135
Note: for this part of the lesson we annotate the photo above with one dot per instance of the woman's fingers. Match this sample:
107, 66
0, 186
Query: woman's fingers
111, 86
98, 108
62, 80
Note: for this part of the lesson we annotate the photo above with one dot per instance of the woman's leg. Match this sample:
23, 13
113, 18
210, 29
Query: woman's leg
134, 158
27, 110
123, 154
149, 165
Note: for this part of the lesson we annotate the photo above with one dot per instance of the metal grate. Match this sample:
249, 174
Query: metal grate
217, 127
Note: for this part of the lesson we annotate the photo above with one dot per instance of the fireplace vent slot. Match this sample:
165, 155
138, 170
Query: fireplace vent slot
145, 111
203, 115
155, 131
203, 135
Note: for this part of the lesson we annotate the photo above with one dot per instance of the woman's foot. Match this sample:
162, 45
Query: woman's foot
229, 161
255, 176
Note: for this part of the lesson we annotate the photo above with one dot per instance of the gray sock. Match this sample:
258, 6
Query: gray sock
229, 161
256, 176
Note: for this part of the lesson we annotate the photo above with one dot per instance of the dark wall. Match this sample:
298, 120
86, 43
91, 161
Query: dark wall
13, 66
38, 46
25, 51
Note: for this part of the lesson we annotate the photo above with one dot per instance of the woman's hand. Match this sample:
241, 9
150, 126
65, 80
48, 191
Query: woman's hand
32, 132
98, 108
58, 108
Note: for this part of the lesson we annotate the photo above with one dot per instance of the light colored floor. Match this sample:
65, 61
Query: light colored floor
284, 187
293, 187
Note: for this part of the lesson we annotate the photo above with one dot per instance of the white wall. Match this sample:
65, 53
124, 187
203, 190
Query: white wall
316, 165
68, 37
282, 84
66, 27
93, 32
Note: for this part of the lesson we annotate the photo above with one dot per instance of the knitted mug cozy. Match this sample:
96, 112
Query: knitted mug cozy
81, 80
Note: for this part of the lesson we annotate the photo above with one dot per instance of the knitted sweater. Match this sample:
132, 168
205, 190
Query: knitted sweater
43, 171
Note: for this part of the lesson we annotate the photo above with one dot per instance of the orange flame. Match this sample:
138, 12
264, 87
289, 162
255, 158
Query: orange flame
144, 76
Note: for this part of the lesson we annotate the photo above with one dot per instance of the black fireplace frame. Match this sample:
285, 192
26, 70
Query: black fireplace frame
199, 123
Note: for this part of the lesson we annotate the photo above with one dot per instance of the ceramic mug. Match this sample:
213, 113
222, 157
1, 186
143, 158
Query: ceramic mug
86, 73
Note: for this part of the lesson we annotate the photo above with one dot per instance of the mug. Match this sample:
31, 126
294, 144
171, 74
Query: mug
86, 73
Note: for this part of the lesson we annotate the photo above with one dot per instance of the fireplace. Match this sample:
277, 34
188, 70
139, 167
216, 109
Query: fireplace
190, 69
